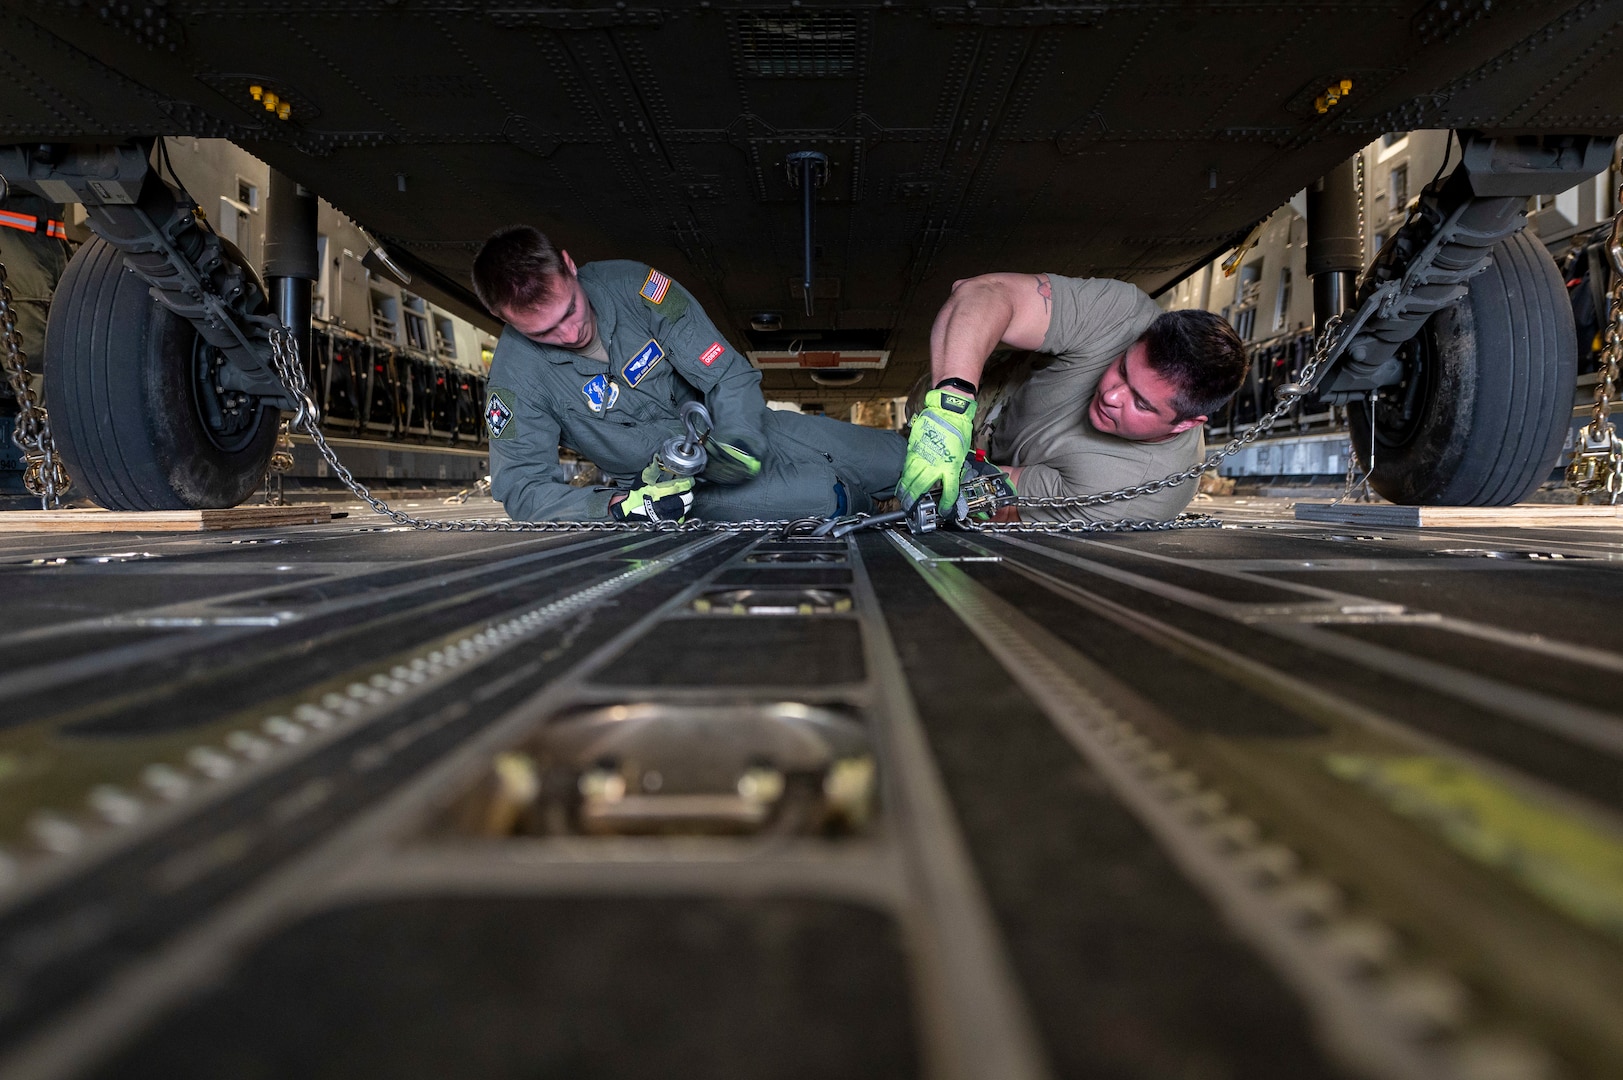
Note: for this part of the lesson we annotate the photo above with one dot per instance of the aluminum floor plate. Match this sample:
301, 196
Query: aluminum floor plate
1280, 799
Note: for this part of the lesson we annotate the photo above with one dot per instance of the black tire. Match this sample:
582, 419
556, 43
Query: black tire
1485, 404
124, 387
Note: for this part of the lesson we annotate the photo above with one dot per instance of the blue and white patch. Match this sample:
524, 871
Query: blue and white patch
499, 411
600, 393
641, 364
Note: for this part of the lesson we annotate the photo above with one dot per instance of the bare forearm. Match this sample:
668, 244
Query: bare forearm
983, 313
967, 329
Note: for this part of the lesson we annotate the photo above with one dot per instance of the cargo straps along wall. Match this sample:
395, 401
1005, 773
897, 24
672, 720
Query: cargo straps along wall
28, 223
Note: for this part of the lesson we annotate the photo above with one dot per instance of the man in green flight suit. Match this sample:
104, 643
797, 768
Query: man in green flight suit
601, 359
34, 250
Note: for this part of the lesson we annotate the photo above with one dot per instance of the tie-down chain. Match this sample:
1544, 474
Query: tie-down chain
288, 369
43, 472
1596, 467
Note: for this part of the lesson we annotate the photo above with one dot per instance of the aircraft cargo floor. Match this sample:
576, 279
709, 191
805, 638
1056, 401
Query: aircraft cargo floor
1272, 800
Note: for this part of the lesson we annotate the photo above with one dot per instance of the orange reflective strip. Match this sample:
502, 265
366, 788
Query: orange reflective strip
25, 222
56, 229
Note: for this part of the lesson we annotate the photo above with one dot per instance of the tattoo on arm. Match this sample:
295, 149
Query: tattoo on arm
1045, 291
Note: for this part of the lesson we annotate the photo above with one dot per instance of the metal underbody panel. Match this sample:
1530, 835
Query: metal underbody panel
1125, 138
1271, 800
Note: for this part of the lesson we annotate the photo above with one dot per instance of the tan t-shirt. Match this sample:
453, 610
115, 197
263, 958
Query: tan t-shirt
1035, 414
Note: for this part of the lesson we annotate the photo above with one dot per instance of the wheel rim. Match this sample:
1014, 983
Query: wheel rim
230, 417
1400, 409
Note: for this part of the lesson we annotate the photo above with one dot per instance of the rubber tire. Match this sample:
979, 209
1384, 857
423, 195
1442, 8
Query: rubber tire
1498, 402
122, 398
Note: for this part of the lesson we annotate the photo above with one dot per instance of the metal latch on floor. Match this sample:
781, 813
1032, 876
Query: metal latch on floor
43, 473
1596, 468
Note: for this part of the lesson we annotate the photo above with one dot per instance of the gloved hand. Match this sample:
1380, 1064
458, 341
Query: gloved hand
730, 463
937, 447
660, 500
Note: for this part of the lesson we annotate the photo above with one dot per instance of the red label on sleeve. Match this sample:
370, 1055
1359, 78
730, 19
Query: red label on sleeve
712, 354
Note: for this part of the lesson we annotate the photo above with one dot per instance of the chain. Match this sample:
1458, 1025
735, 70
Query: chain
1596, 467
1358, 190
285, 362
1336, 331
281, 460
43, 472
481, 486
1182, 521
1352, 479
281, 463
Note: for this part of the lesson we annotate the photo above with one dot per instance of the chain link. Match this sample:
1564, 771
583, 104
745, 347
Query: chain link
43, 472
1076, 525
1596, 467
281, 463
285, 362
1336, 330
281, 459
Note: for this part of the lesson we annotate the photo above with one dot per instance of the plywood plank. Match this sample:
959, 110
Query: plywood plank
96, 520
1527, 516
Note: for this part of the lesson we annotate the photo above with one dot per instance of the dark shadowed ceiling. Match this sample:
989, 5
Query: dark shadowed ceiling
1120, 138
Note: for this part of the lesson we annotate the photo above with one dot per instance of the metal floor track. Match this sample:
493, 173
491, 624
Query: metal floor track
1270, 800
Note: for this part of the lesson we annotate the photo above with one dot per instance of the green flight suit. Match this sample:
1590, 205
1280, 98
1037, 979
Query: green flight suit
663, 352
34, 264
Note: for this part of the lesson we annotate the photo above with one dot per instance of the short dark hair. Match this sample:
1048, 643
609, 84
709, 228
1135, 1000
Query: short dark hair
1201, 354
516, 268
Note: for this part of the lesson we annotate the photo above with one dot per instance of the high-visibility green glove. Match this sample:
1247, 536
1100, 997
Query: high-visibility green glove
730, 463
937, 447
663, 500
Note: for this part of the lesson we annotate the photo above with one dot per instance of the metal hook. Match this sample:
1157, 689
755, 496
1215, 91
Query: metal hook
693, 413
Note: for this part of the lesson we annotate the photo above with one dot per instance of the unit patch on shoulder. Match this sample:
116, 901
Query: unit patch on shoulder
655, 288
641, 364
712, 354
499, 412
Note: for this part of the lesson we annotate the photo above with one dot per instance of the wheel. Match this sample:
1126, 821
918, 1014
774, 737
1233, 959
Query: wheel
1486, 397
134, 401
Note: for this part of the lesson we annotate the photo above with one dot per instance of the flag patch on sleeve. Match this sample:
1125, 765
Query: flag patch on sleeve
499, 412
654, 289
641, 364
712, 354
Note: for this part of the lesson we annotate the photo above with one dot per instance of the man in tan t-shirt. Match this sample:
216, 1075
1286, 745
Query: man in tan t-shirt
1114, 396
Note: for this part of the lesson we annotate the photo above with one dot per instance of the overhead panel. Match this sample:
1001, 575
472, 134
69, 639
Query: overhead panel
796, 45
800, 70
818, 360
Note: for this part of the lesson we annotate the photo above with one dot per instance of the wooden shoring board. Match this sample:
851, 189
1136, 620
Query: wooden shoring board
100, 521
1524, 516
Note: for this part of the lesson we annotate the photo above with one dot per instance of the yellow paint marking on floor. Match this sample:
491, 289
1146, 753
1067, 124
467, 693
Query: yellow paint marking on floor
1570, 865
